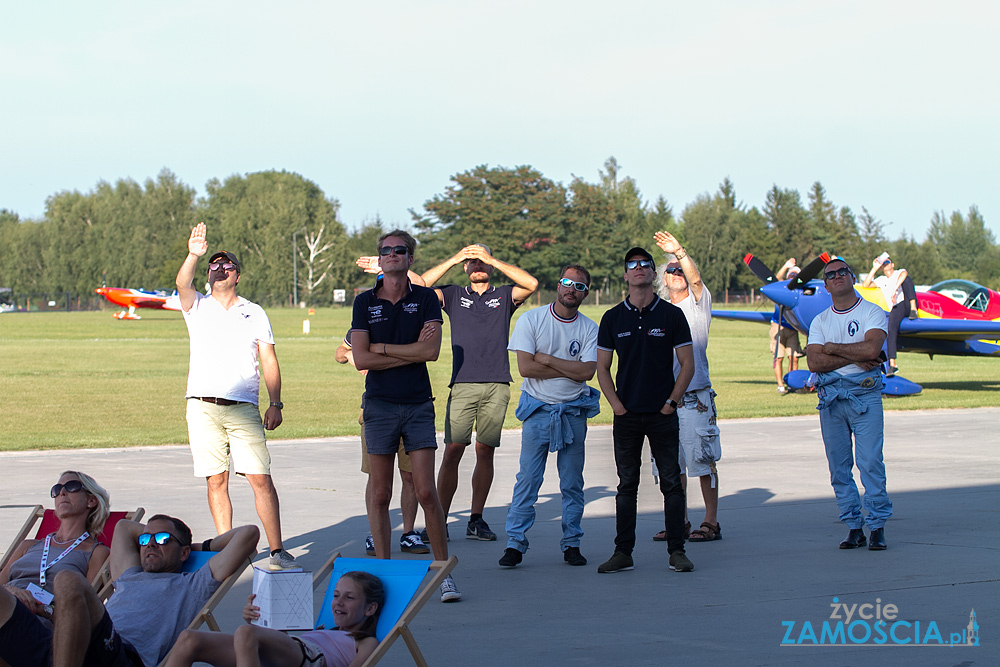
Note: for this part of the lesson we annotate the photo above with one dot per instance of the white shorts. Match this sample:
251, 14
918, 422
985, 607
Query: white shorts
218, 431
699, 447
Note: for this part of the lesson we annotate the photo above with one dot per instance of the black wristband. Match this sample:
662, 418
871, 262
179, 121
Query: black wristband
207, 544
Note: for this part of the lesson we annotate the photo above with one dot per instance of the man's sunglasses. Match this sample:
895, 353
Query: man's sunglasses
579, 287
674, 269
632, 263
227, 266
159, 538
393, 249
72, 486
844, 271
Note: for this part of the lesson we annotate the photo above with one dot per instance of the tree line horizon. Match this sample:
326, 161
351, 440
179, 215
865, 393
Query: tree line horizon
131, 235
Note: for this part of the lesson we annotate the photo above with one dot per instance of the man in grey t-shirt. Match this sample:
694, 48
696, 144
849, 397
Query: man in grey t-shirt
153, 601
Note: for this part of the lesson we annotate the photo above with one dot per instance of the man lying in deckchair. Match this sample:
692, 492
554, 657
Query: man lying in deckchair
153, 601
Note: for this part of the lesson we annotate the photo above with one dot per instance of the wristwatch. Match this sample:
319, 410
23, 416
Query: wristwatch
278, 404
672, 403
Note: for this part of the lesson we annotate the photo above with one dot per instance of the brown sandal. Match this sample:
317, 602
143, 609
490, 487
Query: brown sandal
662, 535
707, 533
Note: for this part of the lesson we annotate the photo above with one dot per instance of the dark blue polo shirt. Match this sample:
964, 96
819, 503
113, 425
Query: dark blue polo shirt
397, 324
645, 343
480, 327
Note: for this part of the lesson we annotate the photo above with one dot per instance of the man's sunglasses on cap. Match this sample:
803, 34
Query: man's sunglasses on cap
393, 249
842, 271
72, 486
159, 538
632, 263
225, 266
579, 287
674, 269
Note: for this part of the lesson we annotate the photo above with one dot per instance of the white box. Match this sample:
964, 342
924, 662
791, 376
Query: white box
285, 599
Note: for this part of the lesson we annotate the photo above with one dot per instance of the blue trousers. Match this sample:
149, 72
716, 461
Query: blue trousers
839, 420
569, 461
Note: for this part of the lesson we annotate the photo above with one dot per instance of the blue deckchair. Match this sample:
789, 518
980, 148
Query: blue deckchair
408, 585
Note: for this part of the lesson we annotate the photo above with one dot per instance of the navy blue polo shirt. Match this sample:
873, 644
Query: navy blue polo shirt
480, 327
397, 324
645, 342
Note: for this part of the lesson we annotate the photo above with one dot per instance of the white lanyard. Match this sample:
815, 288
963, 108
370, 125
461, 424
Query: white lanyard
44, 565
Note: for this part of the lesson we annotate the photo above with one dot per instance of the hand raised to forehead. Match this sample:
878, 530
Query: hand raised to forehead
476, 252
666, 242
198, 241
369, 264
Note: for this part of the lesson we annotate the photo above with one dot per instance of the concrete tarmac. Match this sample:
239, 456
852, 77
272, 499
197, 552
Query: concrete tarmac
753, 599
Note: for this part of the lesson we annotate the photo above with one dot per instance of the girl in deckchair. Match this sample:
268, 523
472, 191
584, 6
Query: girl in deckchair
81, 506
357, 601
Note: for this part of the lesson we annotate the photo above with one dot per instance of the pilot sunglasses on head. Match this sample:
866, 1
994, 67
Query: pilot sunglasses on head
394, 249
632, 263
159, 538
72, 486
843, 271
579, 287
215, 266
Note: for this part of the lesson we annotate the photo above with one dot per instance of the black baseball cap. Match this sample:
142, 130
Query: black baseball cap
638, 251
228, 255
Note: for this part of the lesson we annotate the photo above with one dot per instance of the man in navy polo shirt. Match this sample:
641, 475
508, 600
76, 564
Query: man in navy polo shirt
646, 331
480, 377
386, 341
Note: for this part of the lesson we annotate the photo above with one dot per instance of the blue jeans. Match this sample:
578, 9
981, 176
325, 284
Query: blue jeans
630, 431
838, 421
569, 461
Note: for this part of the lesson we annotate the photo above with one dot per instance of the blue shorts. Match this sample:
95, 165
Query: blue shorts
387, 422
24, 639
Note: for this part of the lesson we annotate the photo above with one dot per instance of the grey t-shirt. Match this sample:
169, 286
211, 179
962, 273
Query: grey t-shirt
149, 610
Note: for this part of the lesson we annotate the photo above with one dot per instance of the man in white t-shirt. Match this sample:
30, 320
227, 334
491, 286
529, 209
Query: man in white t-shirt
843, 348
231, 345
556, 350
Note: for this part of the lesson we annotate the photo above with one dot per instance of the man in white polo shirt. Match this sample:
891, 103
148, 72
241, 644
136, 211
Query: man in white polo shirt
231, 345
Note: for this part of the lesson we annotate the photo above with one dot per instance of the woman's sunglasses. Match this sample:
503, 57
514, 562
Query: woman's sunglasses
72, 486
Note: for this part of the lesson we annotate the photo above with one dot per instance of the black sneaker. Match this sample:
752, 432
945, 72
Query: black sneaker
427, 540
411, 543
510, 558
572, 556
619, 562
679, 562
479, 530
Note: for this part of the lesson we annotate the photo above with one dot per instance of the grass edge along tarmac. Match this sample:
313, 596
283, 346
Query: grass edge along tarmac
83, 379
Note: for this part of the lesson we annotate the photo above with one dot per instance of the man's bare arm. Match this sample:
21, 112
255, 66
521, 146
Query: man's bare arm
668, 243
685, 357
125, 546
381, 356
197, 247
543, 366
861, 351
525, 284
272, 380
606, 382
234, 547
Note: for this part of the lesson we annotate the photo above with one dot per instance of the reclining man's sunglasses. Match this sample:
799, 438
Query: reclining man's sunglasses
159, 538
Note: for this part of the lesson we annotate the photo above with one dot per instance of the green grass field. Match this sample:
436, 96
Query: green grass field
87, 380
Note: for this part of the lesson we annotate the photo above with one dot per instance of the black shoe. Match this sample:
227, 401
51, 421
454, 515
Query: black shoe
573, 556
876, 540
510, 558
855, 539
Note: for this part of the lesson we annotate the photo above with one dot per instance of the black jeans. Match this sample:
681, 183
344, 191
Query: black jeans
630, 430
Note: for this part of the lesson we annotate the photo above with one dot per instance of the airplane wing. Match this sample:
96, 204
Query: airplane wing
760, 317
948, 329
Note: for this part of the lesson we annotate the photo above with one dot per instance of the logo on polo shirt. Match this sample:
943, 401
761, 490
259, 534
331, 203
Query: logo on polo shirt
853, 326
659, 333
574, 348
623, 334
493, 303
465, 303
411, 307
375, 311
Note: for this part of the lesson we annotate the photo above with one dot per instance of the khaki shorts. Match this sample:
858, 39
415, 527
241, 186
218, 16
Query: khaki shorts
217, 432
402, 458
481, 403
787, 342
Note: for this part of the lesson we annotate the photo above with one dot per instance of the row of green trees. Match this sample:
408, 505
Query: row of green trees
280, 223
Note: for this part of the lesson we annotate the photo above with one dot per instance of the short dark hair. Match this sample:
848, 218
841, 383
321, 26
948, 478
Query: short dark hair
183, 532
409, 241
576, 267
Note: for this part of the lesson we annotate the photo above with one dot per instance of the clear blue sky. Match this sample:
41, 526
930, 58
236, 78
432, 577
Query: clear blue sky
891, 105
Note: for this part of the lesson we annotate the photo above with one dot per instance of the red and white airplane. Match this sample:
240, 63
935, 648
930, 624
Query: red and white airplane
130, 299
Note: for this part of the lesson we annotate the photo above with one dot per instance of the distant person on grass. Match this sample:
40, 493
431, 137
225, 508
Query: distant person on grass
231, 346
784, 337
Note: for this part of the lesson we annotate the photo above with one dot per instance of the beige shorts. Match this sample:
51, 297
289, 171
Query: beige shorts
402, 458
787, 342
217, 432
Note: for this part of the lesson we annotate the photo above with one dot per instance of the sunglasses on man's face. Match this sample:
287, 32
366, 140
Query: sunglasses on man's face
843, 271
632, 263
579, 287
159, 538
673, 270
227, 266
72, 486
393, 249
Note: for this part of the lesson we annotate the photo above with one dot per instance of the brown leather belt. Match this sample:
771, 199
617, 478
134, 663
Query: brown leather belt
217, 401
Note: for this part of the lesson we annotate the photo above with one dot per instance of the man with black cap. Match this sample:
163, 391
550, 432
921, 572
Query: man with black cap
646, 332
231, 346
480, 317
843, 348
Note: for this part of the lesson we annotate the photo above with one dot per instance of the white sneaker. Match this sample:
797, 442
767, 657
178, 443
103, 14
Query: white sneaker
282, 561
449, 591
782, 390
